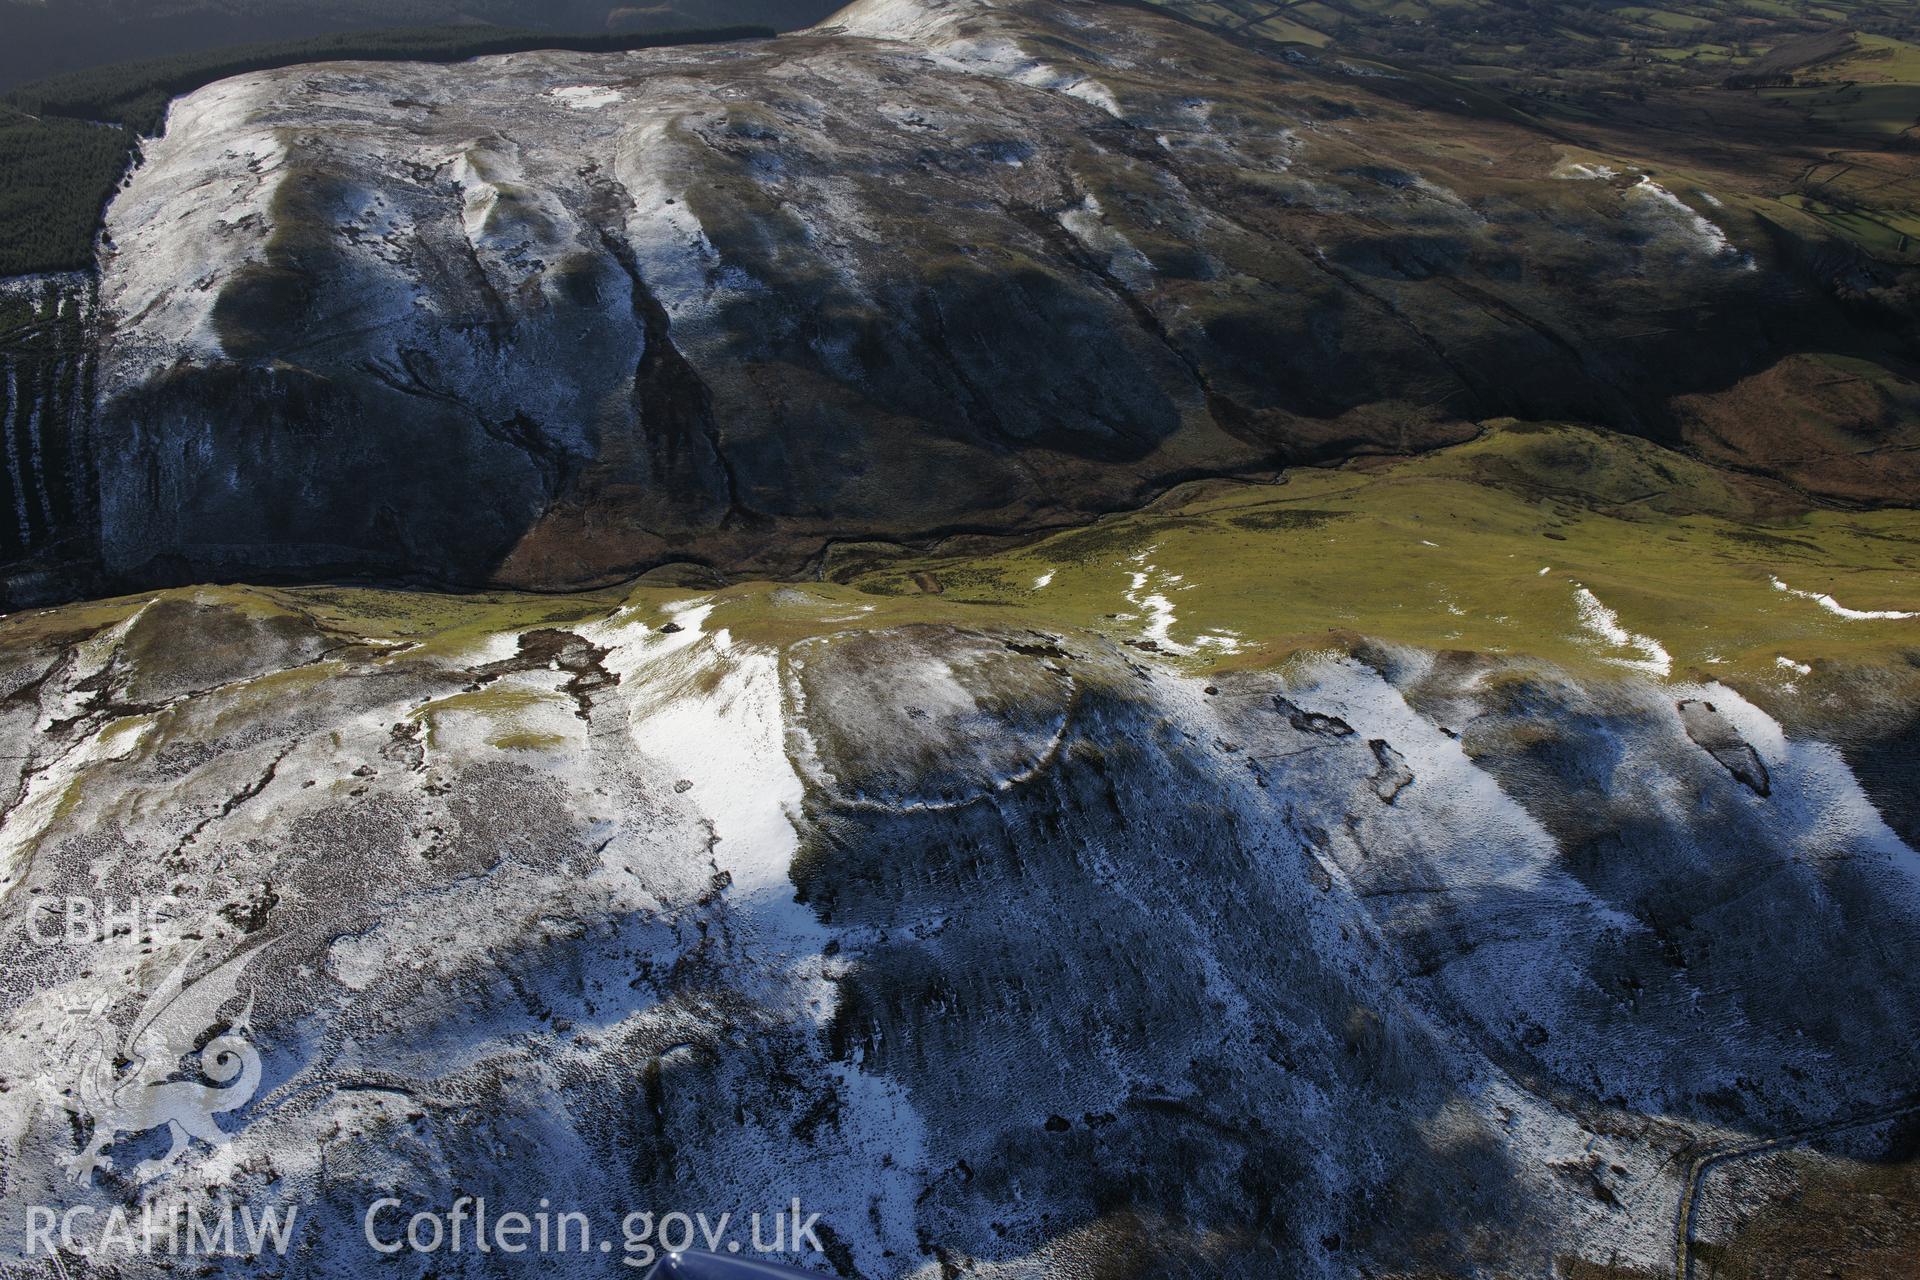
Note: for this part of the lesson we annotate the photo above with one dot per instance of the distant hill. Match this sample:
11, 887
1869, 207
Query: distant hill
1556, 53
39, 38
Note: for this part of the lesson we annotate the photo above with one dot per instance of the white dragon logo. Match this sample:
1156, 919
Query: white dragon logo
144, 1095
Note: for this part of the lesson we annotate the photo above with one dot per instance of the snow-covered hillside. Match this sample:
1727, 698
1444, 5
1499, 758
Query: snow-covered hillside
553, 319
1000, 949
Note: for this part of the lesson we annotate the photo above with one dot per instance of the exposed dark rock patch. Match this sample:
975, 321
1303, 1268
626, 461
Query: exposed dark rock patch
1393, 776
1719, 739
549, 647
1311, 721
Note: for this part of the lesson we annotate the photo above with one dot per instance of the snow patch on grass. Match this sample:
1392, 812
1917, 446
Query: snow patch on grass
1650, 656
1839, 610
1579, 171
1703, 235
1147, 593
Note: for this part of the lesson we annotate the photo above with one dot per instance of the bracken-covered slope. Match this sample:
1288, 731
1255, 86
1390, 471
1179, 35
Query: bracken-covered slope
1009, 951
552, 319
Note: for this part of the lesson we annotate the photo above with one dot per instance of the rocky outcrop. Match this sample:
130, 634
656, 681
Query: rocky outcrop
553, 319
1719, 739
48, 520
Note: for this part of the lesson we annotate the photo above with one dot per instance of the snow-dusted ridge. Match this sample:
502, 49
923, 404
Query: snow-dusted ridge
635, 911
561, 283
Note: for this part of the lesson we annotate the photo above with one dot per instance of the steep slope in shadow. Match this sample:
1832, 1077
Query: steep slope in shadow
1261, 974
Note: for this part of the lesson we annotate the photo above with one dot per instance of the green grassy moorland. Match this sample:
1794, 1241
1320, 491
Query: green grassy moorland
1484, 547
1602, 554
